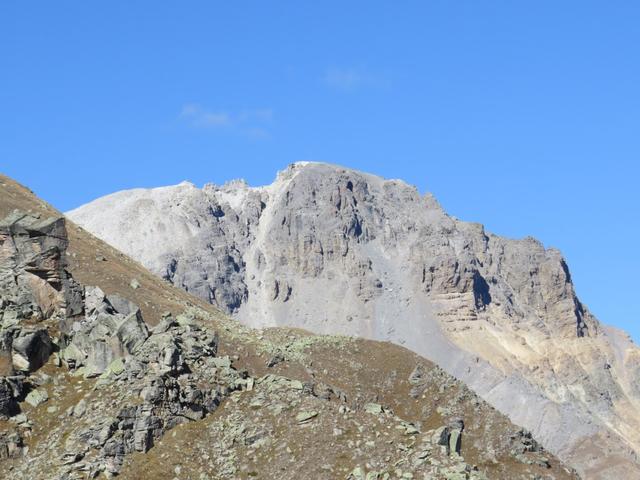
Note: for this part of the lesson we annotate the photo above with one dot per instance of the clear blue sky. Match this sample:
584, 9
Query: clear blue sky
522, 115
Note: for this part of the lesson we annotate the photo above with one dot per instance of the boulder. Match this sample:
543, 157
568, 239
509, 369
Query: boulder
94, 300
374, 408
121, 305
11, 445
305, 417
132, 332
31, 349
100, 356
455, 441
8, 403
37, 397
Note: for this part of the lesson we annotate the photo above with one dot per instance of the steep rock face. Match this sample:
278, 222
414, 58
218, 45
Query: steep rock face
338, 251
34, 285
33, 281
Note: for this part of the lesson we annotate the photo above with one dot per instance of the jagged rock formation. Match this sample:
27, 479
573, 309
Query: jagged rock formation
332, 250
172, 368
93, 386
33, 285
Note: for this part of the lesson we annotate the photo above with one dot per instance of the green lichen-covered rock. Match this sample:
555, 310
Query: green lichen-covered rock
455, 441
356, 474
305, 417
37, 397
374, 408
115, 368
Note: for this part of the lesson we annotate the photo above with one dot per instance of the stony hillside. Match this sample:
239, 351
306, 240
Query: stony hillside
106, 370
336, 251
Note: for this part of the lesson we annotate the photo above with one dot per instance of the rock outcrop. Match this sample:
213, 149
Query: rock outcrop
95, 335
332, 250
33, 286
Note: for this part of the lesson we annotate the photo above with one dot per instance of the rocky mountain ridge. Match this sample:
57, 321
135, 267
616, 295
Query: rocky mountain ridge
333, 250
94, 386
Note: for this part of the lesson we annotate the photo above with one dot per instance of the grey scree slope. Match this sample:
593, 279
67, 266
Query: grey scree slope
334, 250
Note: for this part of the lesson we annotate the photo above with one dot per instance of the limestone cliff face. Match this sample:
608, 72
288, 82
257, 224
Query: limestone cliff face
338, 251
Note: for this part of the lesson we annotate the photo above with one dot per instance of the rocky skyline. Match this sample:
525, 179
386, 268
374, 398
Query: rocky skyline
334, 250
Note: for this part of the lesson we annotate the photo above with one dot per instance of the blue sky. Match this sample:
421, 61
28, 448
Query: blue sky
524, 115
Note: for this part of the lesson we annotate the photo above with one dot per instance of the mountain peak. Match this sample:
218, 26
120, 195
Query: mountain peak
337, 251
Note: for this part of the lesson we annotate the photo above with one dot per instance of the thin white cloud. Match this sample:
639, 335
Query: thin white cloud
257, 133
251, 123
348, 79
344, 78
260, 115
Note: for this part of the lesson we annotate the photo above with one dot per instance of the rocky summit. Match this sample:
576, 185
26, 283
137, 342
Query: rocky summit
109, 371
336, 251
